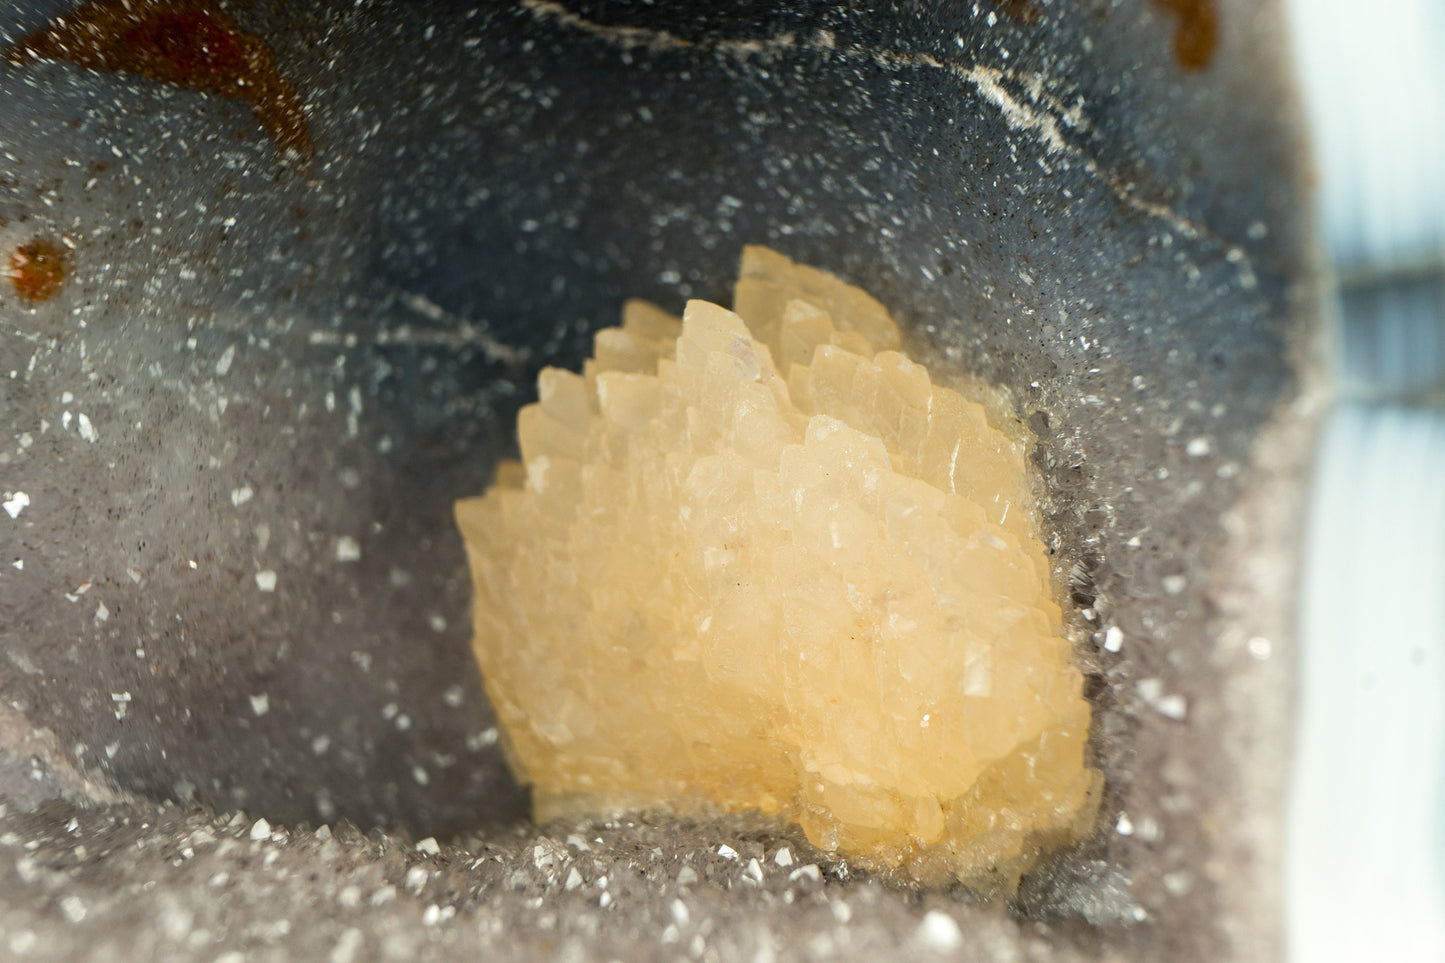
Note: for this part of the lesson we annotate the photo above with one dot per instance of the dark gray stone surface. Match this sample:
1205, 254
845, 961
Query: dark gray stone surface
269, 365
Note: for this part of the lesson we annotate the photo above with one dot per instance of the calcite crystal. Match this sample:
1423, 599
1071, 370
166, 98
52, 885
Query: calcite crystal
760, 561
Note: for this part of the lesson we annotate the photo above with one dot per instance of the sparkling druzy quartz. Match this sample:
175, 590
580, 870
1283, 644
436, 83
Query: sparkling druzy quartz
760, 561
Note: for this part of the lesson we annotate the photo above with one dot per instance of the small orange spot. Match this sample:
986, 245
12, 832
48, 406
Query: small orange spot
1197, 34
189, 43
38, 269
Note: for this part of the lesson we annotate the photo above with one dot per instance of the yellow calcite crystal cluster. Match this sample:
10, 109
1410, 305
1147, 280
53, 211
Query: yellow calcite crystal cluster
760, 561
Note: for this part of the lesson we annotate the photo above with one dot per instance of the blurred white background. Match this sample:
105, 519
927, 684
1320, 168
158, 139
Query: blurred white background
1366, 846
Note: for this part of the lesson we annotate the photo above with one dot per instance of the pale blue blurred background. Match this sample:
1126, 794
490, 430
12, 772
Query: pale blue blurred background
1366, 863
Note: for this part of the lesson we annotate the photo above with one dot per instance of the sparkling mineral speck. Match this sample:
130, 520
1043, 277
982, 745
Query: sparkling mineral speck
939, 932
15, 503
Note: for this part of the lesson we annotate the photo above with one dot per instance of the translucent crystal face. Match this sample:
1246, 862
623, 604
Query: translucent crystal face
760, 561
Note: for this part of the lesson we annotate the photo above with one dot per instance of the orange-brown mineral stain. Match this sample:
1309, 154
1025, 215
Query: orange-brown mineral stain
1024, 11
38, 269
1197, 33
190, 43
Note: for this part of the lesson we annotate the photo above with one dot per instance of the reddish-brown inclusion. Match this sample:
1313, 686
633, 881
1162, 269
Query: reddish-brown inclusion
38, 269
190, 43
1197, 34
1021, 10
